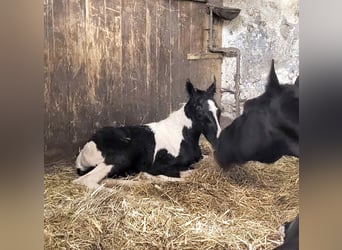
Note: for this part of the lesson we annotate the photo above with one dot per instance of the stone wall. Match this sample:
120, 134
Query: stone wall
264, 30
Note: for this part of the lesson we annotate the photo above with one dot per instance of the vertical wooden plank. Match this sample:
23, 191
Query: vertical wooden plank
163, 71
180, 65
175, 57
197, 44
106, 18
113, 22
127, 54
141, 101
100, 78
47, 59
173, 24
83, 95
57, 132
134, 63
151, 61
48, 55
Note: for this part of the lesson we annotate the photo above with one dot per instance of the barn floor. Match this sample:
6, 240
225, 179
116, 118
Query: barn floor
239, 209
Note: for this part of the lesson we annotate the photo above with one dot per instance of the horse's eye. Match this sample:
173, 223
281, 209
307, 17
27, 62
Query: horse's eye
199, 108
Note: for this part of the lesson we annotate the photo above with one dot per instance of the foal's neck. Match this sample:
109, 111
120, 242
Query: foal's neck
178, 120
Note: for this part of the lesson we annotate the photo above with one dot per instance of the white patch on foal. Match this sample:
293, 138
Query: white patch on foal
213, 109
93, 178
89, 156
168, 133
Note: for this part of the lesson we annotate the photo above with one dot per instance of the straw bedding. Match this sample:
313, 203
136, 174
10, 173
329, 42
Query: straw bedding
239, 209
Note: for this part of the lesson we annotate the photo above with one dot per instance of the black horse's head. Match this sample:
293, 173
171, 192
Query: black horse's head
204, 112
277, 97
267, 129
281, 102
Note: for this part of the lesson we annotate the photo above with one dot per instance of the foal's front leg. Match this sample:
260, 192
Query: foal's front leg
93, 178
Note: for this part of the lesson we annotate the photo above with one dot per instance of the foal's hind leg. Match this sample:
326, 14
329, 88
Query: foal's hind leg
129, 183
161, 178
115, 182
93, 178
147, 178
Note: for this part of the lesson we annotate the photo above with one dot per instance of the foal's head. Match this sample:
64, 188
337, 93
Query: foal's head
204, 111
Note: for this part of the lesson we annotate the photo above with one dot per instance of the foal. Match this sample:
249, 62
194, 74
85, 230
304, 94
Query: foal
166, 148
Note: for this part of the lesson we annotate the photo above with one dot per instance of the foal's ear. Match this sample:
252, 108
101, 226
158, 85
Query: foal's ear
190, 88
297, 81
273, 82
212, 88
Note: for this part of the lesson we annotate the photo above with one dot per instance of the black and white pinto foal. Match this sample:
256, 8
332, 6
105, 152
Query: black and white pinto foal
166, 149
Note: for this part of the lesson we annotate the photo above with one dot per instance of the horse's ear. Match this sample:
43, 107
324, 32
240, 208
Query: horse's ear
190, 88
297, 81
273, 82
212, 88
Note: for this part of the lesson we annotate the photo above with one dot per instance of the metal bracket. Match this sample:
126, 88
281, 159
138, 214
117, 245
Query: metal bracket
203, 56
199, 1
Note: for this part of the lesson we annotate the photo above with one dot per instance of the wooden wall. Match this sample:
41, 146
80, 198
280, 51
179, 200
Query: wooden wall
115, 62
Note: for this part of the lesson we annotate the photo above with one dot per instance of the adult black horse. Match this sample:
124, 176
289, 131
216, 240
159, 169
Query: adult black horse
267, 130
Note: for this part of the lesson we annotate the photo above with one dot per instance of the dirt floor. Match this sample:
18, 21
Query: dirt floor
239, 209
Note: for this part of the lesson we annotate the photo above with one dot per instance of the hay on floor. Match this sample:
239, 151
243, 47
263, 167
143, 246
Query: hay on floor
212, 209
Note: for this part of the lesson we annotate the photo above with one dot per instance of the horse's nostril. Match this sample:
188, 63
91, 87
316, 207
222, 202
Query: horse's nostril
79, 171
